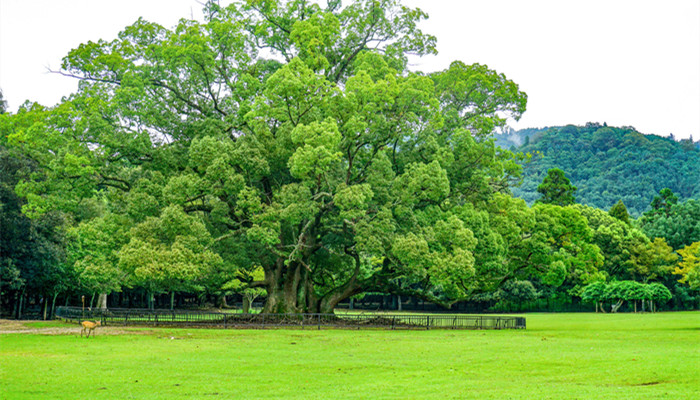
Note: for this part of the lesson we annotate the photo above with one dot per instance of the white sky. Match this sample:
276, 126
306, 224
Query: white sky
624, 62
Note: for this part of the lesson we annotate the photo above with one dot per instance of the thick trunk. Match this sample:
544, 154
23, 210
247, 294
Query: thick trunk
222, 301
290, 288
172, 300
101, 301
46, 307
331, 299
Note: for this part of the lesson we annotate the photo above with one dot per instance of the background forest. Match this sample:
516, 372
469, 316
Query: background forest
284, 151
608, 164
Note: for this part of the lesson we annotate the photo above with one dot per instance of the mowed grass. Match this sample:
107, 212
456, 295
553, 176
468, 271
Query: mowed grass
559, 356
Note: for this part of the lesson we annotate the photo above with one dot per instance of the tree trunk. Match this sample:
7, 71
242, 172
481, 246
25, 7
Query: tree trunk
53, 305
150, 300
21, 302
616, 306
398, 302
290, 289
46, 307
246, 305
92, 300
635, 306
352, 304
172, 300
222, 302
101, 301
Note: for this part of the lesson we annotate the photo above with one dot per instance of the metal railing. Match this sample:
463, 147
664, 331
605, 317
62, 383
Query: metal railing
146, 317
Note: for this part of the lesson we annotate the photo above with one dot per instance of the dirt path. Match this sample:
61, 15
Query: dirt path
15, 326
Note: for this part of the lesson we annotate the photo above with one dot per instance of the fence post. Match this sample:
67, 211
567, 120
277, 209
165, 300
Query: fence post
224, 321
393, 322
263, 325
427, 322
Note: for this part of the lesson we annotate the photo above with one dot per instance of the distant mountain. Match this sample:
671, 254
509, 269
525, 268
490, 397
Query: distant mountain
607, 163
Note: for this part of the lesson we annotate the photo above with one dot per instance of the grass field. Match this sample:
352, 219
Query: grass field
559, 356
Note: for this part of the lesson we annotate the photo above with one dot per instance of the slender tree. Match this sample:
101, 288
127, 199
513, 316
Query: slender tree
661, 204
556, 189
619, 211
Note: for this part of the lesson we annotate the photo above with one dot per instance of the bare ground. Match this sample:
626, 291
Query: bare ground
19, 326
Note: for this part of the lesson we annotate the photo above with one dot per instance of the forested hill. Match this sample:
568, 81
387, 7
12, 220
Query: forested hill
608, 164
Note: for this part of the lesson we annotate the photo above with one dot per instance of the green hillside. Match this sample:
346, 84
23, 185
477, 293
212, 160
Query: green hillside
608, 164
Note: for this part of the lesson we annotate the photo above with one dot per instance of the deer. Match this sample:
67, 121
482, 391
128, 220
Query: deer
89, 327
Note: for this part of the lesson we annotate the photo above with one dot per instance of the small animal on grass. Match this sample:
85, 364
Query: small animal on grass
89, 326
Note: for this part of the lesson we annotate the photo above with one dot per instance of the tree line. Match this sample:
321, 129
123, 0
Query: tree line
284, 150
608, 163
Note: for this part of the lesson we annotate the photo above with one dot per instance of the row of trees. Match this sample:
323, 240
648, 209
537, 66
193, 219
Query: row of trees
617, 292
284, 149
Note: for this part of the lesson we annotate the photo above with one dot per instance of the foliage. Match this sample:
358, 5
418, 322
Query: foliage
32, 252
310, 163
3, 103
620, 291
662, 203
659, 293
594, 293
689, 265
680, 226
608, 164
619, 211
556, 189
517, 291
93, 248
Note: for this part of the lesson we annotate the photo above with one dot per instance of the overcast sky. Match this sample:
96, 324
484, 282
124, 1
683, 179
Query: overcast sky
624, 62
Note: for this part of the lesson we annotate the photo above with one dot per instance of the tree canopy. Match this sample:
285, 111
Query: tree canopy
283, 149
284, 135
556, 189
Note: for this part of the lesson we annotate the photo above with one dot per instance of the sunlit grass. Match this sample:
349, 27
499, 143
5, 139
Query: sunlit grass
559, 356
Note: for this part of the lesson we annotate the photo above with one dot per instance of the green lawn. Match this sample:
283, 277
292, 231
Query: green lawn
559, 356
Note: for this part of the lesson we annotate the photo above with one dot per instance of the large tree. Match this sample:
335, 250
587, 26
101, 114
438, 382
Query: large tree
290, 137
